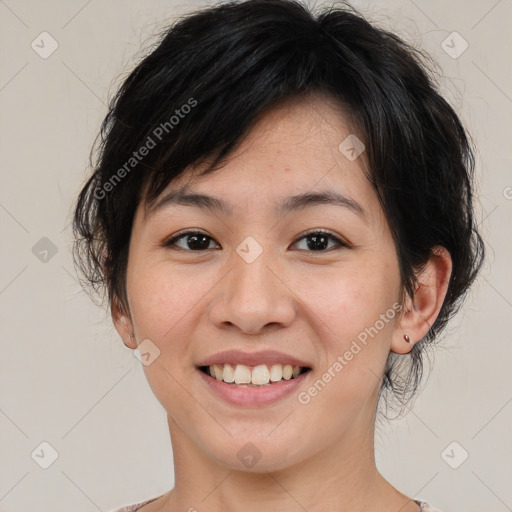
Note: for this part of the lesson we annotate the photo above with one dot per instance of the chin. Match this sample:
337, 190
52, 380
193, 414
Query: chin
258, 453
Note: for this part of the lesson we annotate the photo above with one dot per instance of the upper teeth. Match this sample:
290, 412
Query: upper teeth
260, 375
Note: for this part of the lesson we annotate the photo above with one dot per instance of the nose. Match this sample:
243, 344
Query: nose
254, 297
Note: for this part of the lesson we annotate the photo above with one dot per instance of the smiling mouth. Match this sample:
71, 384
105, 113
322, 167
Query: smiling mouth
253, 376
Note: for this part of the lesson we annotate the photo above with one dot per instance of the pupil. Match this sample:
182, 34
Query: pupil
197, 242
316, 242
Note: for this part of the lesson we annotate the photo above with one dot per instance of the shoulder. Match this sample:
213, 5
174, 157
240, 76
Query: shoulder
135, 506
130, 508
425, 507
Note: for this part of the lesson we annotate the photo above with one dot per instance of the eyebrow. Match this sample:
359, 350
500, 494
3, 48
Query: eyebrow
292, 203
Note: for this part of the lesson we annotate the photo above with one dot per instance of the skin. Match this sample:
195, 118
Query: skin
310, 304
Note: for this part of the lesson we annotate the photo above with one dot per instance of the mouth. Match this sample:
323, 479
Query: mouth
255, 376
253, 379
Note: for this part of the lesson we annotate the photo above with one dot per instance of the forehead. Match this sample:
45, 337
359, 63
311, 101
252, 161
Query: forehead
299, 147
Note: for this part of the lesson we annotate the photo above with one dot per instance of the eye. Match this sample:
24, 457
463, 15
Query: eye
191, 240
315, 240
319, 240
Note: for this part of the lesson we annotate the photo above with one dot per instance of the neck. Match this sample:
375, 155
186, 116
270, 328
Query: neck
343, 478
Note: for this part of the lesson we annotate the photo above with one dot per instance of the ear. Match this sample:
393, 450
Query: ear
123, 324
420, 312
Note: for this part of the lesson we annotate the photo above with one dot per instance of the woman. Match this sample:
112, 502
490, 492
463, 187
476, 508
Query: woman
281, 214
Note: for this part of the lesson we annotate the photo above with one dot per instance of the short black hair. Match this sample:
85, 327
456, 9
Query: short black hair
215, 72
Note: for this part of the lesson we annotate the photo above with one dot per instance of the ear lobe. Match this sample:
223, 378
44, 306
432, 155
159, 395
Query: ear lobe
420, 312
123, 325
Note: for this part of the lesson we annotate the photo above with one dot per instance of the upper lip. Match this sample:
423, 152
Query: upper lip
268, 357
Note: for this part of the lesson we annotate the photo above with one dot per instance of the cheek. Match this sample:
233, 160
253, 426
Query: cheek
354, 322
161, 298
163, 303
353, 300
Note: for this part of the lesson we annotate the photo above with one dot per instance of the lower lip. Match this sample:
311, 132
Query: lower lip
253, 396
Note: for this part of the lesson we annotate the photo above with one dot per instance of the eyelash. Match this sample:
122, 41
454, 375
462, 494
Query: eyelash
170, 243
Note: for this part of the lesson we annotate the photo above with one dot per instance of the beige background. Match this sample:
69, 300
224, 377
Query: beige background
65, 377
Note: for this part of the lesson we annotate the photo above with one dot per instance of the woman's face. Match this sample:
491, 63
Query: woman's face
260, 287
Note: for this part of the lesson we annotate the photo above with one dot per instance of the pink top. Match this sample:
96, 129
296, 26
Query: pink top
424, 506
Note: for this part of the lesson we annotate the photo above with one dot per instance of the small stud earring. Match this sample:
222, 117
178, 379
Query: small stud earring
407, 339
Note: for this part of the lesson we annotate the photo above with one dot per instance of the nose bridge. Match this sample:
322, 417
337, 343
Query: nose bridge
253, 296
252, 276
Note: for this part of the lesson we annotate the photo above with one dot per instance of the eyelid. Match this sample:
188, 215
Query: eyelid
340, 240
187, 231
171, 241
